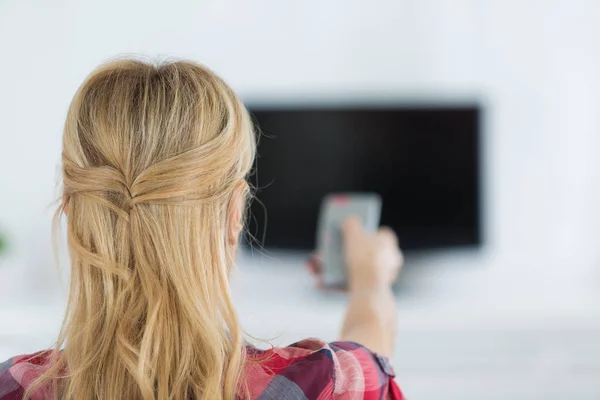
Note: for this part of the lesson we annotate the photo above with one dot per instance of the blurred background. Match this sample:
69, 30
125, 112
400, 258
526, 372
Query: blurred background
515, 314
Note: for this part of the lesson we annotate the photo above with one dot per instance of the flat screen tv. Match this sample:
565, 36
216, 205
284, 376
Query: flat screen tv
424, 161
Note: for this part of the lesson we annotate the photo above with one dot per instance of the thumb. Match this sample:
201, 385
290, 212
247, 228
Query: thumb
352, 228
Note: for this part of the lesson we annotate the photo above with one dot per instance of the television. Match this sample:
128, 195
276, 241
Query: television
423, 160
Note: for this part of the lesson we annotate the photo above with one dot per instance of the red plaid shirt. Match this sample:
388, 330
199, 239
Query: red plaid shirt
310, 369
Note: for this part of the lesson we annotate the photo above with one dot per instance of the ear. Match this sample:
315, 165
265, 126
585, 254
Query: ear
236, 213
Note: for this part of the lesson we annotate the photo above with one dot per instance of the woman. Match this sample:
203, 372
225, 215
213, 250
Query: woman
154, 165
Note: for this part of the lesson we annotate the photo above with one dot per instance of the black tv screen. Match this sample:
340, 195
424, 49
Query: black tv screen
423, 161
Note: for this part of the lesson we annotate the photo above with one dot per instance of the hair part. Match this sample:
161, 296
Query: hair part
151, 156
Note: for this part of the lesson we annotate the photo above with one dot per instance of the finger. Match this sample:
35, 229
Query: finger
399, 259
352, 228
310, 267
316, 275
388, 235
314, 265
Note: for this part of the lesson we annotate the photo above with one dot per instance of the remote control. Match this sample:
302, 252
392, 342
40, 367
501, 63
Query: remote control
335, 209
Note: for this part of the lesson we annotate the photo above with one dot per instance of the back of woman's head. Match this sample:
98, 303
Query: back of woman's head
152, 158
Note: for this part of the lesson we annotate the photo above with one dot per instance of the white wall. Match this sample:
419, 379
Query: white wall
536, 64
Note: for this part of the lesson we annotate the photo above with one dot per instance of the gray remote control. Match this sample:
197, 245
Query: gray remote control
335, 209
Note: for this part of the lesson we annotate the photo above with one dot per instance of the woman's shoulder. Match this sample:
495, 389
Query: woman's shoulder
17, 373
313, 368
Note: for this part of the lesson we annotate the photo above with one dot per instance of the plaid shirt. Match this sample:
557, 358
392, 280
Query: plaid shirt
309, 369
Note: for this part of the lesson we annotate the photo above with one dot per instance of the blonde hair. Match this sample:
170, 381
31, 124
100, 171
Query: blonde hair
152, 155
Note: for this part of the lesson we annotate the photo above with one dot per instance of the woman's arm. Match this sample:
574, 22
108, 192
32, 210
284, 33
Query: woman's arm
371, 320
374, 261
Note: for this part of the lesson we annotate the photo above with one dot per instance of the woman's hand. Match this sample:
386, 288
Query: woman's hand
373, 259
